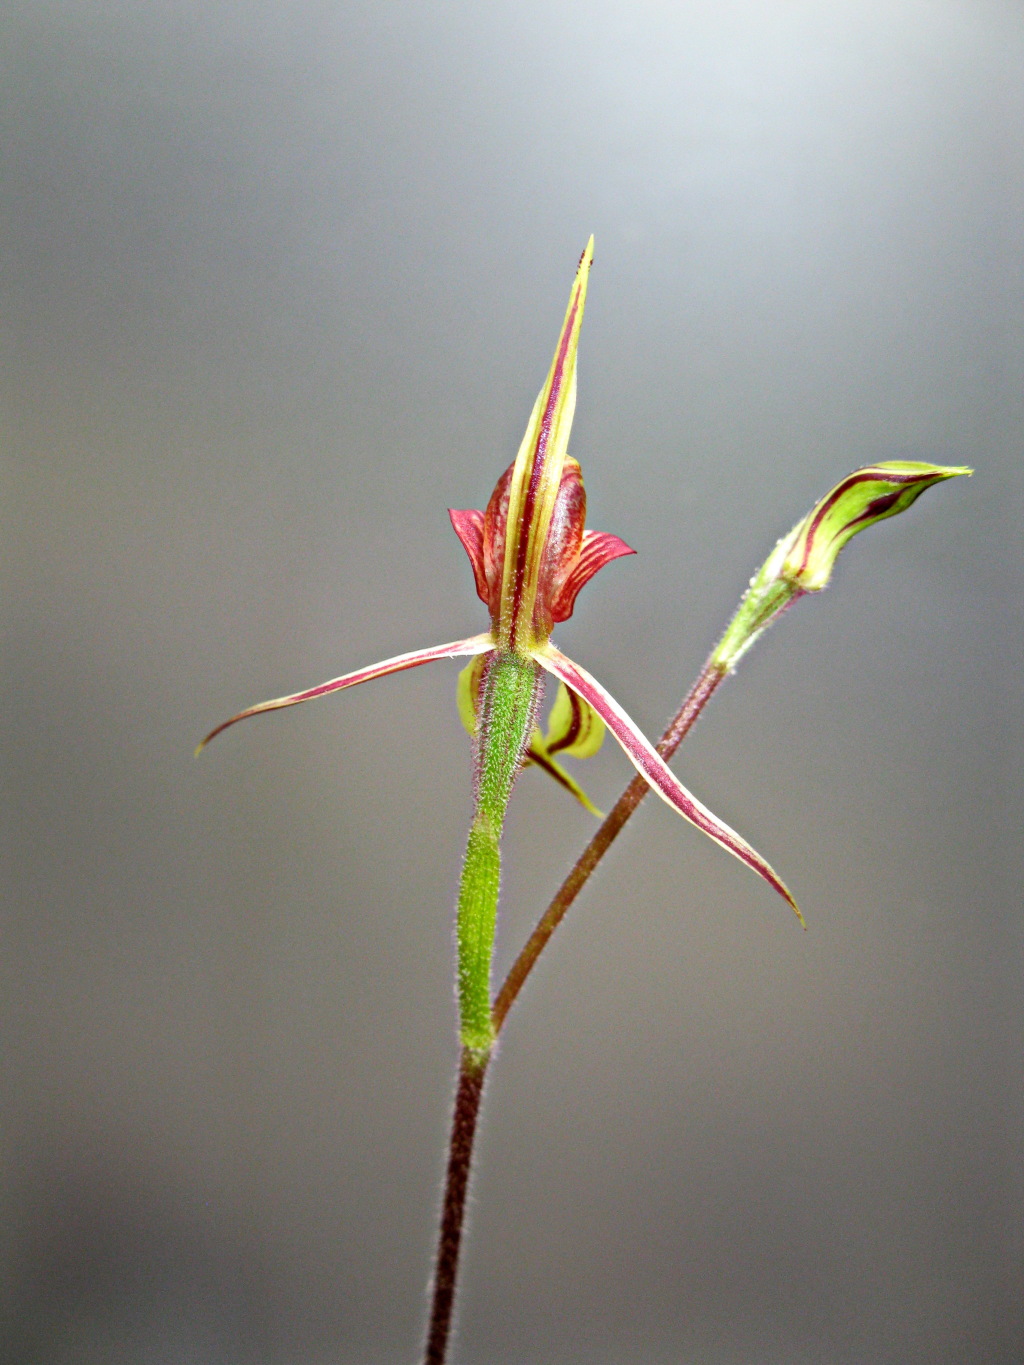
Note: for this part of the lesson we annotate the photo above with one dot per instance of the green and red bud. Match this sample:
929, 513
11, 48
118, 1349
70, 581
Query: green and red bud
803, 561
809, 552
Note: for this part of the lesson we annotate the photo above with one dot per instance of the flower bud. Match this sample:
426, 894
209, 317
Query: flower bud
809, 552
803, 561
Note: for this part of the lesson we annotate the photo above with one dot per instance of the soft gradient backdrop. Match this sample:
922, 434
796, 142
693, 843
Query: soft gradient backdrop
280, 285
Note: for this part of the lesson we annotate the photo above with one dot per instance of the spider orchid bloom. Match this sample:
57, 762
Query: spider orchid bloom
530, 556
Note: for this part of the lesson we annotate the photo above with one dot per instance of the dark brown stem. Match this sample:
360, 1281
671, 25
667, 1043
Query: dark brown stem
472, 1070
696, 699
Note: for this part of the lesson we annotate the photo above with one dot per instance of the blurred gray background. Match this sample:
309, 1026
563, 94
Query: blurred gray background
280, 283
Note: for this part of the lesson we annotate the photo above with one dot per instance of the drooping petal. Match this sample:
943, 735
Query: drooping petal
469, 527
541, 755
598, 549
574, 727
537, 474
476, 644
651, 766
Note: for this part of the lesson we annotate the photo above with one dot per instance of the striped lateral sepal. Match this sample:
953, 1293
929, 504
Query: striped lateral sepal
652, 767
477, 644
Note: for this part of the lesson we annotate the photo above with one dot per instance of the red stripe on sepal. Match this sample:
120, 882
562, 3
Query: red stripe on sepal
649, 763
598, 549
477, 644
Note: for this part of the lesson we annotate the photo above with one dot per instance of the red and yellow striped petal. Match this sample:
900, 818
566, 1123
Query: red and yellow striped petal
574, 727
539, 754
652, 766
476, 644
537, 475
469, 527
598, 549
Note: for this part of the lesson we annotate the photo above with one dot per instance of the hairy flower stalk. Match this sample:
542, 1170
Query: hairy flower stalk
511, 692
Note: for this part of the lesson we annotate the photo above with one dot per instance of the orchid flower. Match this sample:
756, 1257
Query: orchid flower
530, 556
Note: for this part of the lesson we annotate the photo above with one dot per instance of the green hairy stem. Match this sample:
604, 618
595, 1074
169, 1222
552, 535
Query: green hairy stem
508, 709
507, 712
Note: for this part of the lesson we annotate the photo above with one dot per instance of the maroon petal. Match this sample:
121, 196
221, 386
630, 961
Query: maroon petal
598, 549
495, 528
563, 545
469, 527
